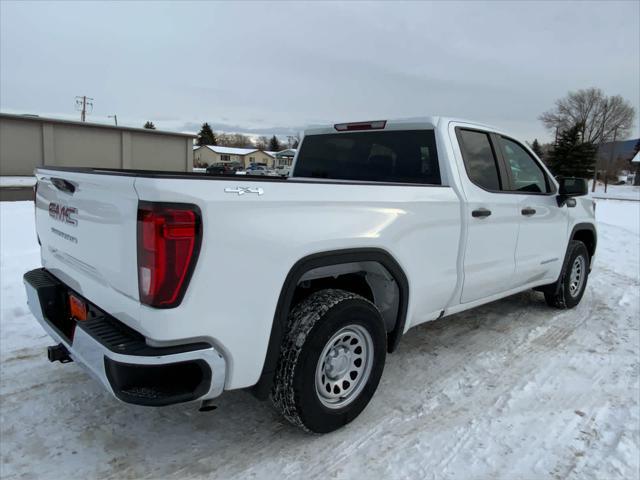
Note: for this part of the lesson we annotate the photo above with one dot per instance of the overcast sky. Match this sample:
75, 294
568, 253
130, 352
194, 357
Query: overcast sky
261, 67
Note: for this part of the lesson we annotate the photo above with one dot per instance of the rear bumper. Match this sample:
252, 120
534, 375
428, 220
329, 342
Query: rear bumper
119, 357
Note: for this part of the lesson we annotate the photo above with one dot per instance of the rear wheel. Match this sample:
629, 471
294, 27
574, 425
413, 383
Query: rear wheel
331, 360
569, 289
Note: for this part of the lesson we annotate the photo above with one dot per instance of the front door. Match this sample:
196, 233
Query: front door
543, 225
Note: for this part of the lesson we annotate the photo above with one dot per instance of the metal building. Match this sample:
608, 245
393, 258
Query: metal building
27, 142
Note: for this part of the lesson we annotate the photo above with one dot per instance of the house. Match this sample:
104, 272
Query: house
284, 158
635, 163
212, 154
260, 156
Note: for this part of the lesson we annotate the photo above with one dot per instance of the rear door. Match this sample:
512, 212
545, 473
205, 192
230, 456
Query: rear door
86, 223
493, 217
543, 225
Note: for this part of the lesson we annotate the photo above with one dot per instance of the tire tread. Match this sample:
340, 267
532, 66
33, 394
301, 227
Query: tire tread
555, 294
303, 317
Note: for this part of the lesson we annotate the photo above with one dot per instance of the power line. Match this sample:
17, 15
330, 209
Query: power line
83, 103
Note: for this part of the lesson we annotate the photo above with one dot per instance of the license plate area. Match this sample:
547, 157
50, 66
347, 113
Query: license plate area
56, 309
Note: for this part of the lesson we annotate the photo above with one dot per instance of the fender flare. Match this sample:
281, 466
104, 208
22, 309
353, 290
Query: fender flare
580, 227
555, 287
278, 327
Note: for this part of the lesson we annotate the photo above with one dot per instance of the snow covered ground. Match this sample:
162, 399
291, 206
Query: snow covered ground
617, 192
10, 181
512, 390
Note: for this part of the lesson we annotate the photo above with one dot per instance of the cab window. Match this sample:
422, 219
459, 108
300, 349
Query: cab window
382, 156
526, 174
479, 159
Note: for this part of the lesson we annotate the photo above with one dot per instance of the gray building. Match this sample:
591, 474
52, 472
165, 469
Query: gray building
27, 142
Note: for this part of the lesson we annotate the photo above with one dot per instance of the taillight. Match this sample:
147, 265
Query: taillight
35, 209
169, 236
347, 127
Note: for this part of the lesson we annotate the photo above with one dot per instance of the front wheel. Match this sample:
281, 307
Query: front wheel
331, 360
569, 289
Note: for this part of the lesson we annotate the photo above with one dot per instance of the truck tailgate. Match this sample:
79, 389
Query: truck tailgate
86, 223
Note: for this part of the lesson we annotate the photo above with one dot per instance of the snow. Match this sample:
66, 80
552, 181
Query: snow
231, 150
513, 389
617, 192
10, 181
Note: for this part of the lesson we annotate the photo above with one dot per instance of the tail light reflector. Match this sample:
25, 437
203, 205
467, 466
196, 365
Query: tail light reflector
169, 236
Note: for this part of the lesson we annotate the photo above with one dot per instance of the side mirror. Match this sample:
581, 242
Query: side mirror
573, 187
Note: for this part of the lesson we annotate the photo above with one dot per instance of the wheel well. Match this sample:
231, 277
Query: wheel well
370, 272
352, 282
587, 237
368, 279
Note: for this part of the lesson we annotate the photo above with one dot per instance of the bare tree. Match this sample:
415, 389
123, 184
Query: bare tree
233, 140
293, 141
262, 143
599, 116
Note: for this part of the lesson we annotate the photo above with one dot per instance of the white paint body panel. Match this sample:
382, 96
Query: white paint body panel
250, 242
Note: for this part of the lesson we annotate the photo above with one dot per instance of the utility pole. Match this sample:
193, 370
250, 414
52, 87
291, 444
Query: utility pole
83, 103
595, 170
613, 149
115, 118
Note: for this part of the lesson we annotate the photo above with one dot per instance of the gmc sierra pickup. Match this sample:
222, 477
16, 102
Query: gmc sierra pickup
173, 287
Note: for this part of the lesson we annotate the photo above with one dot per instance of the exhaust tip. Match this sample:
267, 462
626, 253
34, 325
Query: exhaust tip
58, 353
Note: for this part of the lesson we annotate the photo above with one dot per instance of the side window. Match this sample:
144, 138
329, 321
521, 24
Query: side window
479, 159
526, 174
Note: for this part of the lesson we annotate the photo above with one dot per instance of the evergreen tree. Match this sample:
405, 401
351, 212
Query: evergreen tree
150, 126
570, 157
274, 144
537, 149
206, 135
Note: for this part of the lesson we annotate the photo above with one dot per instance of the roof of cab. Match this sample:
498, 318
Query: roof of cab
400, 124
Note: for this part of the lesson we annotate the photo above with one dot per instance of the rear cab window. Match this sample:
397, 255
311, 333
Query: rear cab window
480, 159
394, 156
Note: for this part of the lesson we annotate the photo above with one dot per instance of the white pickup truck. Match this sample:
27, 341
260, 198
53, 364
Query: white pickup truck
173, 287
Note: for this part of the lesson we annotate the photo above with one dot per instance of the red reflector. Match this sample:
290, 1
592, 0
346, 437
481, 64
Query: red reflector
77, 308
168, 246
377, 125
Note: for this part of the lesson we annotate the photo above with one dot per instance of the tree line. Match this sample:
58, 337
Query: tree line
580, 122
206, 136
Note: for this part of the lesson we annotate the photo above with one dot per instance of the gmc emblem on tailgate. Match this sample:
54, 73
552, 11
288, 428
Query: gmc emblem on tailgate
63, 213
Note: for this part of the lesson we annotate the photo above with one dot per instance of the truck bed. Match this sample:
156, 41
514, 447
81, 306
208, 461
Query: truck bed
250, 240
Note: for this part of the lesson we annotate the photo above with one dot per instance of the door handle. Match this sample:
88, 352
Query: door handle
528, 211
481, 213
